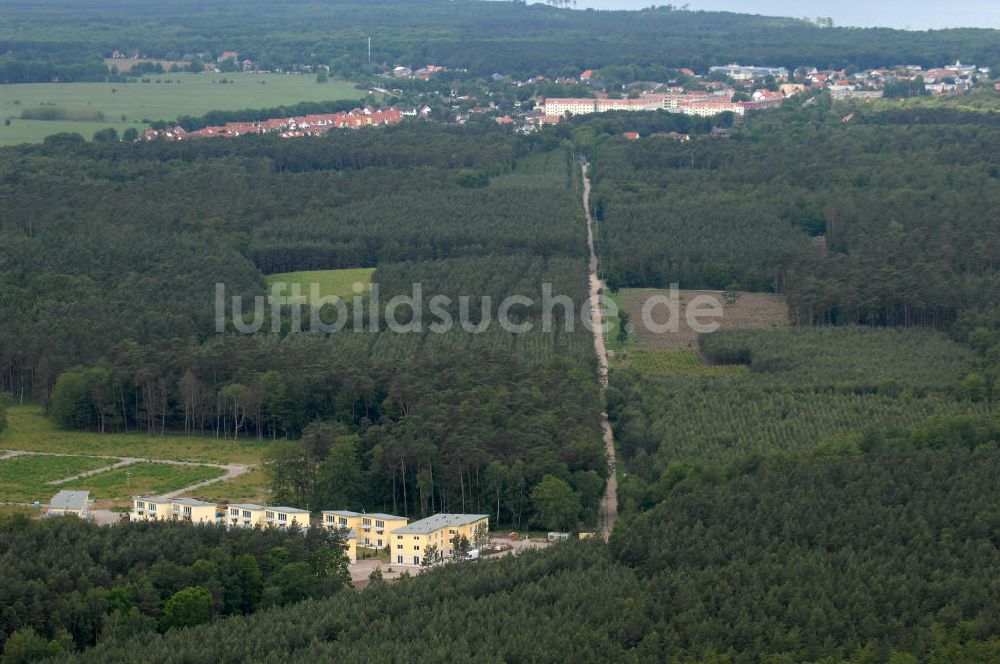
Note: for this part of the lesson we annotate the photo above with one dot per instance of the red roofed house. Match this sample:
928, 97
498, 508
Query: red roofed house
631, 135
587, 75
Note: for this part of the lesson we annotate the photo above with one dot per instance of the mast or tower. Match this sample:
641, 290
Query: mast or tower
369, 50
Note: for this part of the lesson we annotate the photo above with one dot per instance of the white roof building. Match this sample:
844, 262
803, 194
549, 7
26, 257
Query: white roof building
75, 503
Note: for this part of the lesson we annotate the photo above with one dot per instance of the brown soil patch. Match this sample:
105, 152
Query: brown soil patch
752, 311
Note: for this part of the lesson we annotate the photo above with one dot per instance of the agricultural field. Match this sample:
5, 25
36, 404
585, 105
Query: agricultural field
250, 487
142, 479
750, 311
87, 107
330, 282
25, 479
28, 429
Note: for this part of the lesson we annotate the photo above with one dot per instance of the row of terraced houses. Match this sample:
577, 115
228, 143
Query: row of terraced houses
305, 125
429, 540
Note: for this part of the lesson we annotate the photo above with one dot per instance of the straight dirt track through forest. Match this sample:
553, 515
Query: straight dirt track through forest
609, 503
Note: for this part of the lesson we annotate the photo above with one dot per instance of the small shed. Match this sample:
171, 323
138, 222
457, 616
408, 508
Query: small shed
65, 503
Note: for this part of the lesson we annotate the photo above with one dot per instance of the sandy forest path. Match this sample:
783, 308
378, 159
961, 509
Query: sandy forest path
609, 503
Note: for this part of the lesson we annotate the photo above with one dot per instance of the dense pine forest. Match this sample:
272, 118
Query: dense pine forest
69, 584
111, 255
806, 391
820, 489
886, 224
876, 556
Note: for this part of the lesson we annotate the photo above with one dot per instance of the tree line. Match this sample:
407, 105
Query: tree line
70, 584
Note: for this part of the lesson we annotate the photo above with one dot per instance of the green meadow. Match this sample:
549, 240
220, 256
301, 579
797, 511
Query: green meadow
24, 479
87, 107
331, 282
142, 479
250, 487
29, 429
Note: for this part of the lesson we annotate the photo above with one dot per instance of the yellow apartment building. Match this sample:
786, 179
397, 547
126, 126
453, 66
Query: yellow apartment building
244, 515
372, 529
286, 517
411, 542
155, 508
351, 545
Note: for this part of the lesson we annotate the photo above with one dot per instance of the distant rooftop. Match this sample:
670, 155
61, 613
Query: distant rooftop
159, 500
438, 521
192, 502
342, 513
374, 515
153, 499
69, 500
245, 506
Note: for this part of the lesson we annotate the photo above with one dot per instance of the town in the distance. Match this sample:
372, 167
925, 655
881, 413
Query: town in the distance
734, 88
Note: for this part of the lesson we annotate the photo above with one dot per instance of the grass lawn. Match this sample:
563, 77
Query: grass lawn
11, 510
250, 487
28, 429
142, 479
24, 479
331, 282
126, 105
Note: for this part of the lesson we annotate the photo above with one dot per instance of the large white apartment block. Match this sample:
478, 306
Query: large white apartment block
708, 108
750, 72
691, 103
573, 106
584, 106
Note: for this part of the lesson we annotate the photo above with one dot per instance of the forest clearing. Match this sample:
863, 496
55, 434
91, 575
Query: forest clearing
330, 282
749, 311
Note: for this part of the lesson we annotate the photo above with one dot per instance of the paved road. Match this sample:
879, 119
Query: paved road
608, 512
